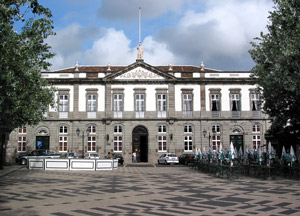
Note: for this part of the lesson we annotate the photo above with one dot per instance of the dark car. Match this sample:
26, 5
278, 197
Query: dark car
119, 157
186, 158
39, 153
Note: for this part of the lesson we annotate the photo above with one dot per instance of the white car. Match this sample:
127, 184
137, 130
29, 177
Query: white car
92, 156
168, 158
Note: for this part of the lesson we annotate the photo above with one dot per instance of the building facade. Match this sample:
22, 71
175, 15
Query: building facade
147, 109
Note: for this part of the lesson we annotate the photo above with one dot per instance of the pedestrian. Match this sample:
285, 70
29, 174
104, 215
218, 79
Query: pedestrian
110, 156
134, 157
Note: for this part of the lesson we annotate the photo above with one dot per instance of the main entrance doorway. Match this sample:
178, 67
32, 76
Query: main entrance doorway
140, 143
42, 142
237, 141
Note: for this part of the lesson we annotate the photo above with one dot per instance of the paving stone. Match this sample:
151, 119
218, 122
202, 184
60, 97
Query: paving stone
148, 190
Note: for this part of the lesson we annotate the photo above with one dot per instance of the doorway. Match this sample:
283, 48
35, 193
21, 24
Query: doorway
237, 141
42, 142
140, 143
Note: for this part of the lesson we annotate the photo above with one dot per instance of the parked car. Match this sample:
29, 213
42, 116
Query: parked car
168, 158
91, 156
39, 153
186, 158
69, 156
119, 157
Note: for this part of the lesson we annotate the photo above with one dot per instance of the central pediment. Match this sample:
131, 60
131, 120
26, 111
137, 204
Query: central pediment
139, 73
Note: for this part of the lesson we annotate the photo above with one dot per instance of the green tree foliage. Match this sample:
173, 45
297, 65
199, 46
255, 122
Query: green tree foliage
277, 71
24, 95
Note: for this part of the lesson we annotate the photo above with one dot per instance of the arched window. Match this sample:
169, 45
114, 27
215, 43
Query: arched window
256, 128
63, 129
188, 129
91, 129
162, 129
118, 129
216, 129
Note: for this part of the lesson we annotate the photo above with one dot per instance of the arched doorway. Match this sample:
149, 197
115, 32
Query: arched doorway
140, 143
237, 138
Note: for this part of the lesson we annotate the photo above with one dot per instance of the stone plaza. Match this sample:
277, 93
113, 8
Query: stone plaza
142, 189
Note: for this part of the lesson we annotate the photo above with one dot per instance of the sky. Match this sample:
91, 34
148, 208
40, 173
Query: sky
183, 32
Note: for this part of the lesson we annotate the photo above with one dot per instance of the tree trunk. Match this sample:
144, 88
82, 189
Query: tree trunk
3, 145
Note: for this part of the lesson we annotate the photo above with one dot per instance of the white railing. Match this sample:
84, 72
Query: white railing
72, 164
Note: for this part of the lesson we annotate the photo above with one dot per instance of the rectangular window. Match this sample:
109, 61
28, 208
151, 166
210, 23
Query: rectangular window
162, 105
22, 144
235, 102
256, 141
215, 102
139, 105
118, 140
63, 143
187, 105
92, 103
63, 103
162, 143
118, 105
91, 143
216, 140
255, 105
188, 143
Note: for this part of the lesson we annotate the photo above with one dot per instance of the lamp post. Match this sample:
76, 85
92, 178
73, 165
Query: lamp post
78, 135
209, 136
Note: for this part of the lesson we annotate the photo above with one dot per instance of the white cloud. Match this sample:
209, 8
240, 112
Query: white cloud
113, 47
219, 34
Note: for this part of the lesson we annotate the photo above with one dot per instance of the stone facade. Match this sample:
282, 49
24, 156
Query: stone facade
148, 109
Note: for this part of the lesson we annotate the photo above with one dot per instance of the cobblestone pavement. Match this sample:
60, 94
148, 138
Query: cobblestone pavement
163, 190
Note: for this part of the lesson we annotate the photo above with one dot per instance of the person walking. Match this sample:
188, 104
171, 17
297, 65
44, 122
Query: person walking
134, 157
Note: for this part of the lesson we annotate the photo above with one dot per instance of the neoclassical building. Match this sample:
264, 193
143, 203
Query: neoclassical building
148, 109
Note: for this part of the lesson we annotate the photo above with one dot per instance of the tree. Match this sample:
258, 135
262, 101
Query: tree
277, 70
24, 95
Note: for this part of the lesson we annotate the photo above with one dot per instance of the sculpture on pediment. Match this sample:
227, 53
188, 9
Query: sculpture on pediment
140, 51
139, 74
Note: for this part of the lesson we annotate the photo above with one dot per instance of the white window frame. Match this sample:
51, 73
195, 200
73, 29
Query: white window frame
22, 130
187, 104
63, 129
216, 129
63, 142
161, 105
22, 143
255, 140
118, 105
188, 129
256, 128
92, 103
118, 129
255, 106
188, 143
118, 143
216, 140
63, 103
91, 140
215, 99
92, 129
235, 99
162, 129
162, 142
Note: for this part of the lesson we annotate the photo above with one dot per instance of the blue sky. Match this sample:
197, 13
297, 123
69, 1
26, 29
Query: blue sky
184, 32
